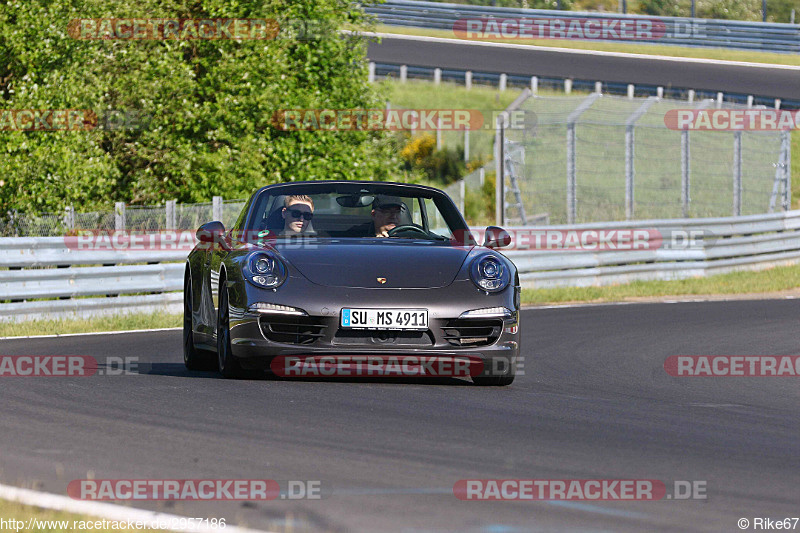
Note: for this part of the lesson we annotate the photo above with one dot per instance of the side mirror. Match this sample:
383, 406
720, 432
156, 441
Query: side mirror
212, 233
496, 237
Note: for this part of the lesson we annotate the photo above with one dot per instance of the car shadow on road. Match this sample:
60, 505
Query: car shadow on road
180, 371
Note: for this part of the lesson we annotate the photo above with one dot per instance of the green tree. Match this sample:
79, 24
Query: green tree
729, 9
210, 104
662, 8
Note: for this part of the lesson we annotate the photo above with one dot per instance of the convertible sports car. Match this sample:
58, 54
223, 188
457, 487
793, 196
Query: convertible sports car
351, 268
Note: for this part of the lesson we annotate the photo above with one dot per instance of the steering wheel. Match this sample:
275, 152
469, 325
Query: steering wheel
411, 228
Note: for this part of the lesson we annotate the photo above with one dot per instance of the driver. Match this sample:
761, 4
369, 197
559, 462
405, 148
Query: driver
386, 212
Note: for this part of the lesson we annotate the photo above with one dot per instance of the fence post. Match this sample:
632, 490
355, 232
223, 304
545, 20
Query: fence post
171, 218
737, 173
534, 84
119, 216
403, 73
630, 153
371, 75
503, 82
468, 79
685, 172
216, 208
437, 76
631, 88
462, 192
69, 217
466, 145
786, 147
500, 155
572, 200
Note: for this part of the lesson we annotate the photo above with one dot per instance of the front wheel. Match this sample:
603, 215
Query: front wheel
502, 380
227, 363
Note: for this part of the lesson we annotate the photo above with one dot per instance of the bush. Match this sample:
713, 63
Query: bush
442, 166
211, 104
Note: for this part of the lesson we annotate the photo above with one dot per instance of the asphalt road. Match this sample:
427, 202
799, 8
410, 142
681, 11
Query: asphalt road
594, 402
775, 83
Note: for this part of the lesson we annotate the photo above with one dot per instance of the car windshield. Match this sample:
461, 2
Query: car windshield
363, 211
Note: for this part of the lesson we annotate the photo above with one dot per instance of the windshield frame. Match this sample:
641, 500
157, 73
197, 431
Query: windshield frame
448, 210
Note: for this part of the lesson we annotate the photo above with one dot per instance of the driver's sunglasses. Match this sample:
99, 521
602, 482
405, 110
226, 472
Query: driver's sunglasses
296, 213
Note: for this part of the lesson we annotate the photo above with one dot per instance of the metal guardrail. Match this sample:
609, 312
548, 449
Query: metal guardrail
28, 291
728, 244
38, 269
757, 36
383, 70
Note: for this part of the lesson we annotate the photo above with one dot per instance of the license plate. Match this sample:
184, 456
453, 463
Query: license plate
385, 318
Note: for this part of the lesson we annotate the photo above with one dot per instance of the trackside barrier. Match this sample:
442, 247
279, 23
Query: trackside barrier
33, 286
719, 245
683, 31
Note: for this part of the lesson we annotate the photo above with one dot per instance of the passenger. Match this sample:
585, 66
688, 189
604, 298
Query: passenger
297, 213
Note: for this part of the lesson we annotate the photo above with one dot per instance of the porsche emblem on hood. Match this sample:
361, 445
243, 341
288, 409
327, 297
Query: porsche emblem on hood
381, 280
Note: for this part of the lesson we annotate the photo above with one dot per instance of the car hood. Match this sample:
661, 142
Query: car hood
403, 264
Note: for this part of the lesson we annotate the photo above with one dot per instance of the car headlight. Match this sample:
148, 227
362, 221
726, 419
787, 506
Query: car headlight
265, 270
489, 273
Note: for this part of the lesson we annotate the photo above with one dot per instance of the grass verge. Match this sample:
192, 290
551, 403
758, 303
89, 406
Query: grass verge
637, 48
89, 325
37, 520
764, 282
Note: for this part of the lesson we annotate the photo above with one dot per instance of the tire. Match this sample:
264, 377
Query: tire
227, 364
193, 358
496, 381
493, 381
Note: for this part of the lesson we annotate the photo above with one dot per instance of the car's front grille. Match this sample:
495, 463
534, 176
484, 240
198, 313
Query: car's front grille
292, 330
383, 338
472, 332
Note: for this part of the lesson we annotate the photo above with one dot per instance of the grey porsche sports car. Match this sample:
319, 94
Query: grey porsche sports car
350, 268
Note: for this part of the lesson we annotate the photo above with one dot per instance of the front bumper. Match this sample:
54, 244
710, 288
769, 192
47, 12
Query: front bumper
257, 337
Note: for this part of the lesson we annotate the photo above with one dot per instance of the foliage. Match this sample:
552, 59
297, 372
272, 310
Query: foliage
729, 9
210, 104
444, 166
662, 8
479, 205
781, 10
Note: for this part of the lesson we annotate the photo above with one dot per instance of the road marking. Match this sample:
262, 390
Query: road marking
447, 40
109, 511
91, 333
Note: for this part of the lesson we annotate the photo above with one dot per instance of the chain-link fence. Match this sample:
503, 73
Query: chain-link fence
124, 217
603, 158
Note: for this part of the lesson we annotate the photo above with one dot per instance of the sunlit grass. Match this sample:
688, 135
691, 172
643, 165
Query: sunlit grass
745, 282
89, 325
